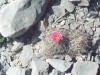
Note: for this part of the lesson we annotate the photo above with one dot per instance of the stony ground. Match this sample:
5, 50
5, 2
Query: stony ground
24, 55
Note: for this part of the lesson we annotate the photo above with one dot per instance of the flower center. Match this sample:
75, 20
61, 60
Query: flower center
56, 37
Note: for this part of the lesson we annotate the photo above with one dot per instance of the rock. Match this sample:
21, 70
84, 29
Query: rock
58, 11
68, 58
97, 59
68, 74
97, 32
98, 3
20, 16
95, 39
67, 5
85, 68
39, 67
10, 1
17, 46
18, 71
84, 3
26, 55
14, 71
88, 28
97, 22
2, 2
55, 72
75, 0
26, 71
63, 65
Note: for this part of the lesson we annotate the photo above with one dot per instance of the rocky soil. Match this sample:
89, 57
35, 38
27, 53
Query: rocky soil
30, 23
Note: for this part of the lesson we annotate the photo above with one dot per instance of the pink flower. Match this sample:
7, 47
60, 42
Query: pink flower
56, 37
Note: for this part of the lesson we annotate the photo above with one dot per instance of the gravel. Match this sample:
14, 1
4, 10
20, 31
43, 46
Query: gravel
24, 55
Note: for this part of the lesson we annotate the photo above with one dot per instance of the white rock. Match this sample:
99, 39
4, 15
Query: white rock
14, 71
26, 55
85, 68
39, 67
59, 65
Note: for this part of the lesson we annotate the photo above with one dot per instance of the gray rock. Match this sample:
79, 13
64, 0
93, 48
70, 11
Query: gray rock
26, 55
58, 11
85, 68
19, 15
59, 65
39, 67
67, 5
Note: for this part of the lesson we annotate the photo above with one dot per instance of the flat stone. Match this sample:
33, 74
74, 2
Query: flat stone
26, 55
39, 67
67, 5
85, 68
59, 65
19, 15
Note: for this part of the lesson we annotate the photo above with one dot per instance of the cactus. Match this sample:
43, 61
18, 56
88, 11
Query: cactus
73, 43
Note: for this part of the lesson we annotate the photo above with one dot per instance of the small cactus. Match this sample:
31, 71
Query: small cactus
73, 42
